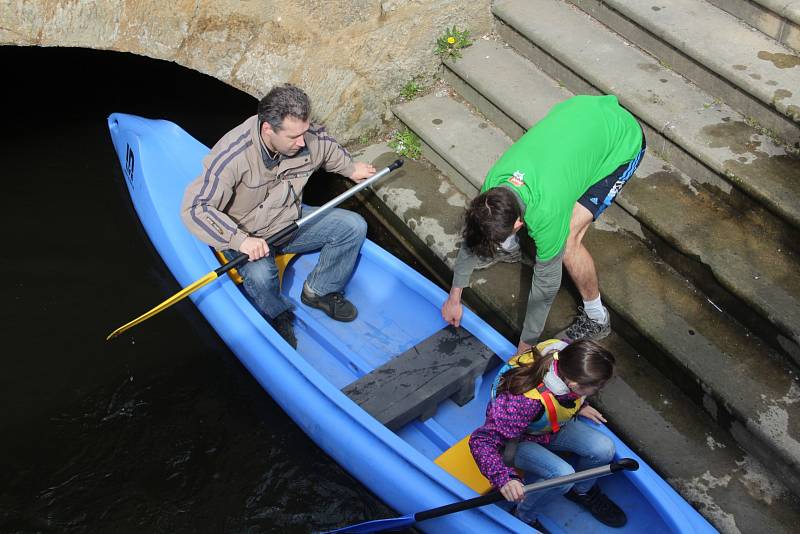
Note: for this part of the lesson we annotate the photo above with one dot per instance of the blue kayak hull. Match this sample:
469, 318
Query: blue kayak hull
398, 308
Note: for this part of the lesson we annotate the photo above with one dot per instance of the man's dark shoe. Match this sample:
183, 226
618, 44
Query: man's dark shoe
602, 508
284, 326
334, 304
501, 255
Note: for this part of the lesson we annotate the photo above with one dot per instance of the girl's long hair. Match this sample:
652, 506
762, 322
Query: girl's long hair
584, 362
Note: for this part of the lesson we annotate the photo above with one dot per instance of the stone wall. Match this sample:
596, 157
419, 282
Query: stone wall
352, 57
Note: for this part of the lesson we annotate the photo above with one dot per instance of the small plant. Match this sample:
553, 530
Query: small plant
406, 143
450, 44
410, 90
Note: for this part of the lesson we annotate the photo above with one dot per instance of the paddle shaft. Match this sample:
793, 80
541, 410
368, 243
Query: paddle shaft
277, 237
495, 496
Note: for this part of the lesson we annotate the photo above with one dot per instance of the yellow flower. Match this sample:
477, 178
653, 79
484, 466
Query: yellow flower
451, 40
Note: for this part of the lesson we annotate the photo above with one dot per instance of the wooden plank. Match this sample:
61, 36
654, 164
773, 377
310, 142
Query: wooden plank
414, 383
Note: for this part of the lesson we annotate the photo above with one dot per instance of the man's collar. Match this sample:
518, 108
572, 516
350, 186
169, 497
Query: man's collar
270, 162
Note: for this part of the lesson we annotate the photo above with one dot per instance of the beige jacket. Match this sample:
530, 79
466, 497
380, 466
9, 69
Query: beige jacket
237, 195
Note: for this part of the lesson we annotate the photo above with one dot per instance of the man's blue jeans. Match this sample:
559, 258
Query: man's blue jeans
592, 447
338, 236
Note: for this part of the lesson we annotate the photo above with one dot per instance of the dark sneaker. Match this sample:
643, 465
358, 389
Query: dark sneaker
284, 326
334, 304
501, 255
584, 328
602, 508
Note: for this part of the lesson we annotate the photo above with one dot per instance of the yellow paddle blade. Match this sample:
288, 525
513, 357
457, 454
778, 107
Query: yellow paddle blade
210, 277
282, 261
458, 461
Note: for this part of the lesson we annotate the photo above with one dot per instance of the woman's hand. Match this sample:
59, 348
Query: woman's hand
513, 490
590, 413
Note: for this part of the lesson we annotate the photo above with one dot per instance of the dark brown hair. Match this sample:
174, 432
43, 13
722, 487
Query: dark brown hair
489, 220
584, 362
283, 101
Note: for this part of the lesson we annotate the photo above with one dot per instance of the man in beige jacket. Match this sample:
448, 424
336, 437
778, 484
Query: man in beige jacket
252, 186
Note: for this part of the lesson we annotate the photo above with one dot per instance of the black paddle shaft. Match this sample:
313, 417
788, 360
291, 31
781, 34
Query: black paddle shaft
278, 236
495, 496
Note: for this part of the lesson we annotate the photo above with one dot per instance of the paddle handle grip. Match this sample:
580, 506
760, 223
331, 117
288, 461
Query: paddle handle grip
495, 496
241, 258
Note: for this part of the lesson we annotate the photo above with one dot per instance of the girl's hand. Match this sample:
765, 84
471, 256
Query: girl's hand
590, 413
513, 490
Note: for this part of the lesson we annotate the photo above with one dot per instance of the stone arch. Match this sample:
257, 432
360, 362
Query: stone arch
351, 57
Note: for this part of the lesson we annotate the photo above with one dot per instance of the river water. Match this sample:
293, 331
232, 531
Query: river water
161, 430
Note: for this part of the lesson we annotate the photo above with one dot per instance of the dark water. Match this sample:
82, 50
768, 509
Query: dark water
161, 430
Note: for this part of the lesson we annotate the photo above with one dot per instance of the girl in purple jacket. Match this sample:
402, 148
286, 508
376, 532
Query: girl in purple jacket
531, 417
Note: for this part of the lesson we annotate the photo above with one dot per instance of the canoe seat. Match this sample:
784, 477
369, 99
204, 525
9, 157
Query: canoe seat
413, 384
458, 461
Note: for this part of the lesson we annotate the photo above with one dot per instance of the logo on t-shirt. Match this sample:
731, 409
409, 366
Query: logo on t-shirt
518, 178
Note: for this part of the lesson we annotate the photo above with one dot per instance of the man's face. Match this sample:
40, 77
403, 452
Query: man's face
288, 140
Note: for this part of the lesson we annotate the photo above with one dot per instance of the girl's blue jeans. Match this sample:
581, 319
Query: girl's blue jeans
338, 235
592, 447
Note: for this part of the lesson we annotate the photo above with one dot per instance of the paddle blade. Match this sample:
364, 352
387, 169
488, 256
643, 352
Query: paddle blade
378, 525
183, 293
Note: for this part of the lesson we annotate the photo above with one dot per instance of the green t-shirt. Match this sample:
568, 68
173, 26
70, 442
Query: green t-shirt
580, 141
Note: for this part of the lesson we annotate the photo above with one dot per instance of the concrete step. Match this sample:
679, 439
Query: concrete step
753, 274
780, 19
463, 147
704, 348
706, 139
727, 485
746, 69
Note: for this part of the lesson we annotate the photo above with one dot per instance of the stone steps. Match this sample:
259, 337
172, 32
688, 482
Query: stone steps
780, 19
751, 72
694, 342
706, 139
688, 448
751, 274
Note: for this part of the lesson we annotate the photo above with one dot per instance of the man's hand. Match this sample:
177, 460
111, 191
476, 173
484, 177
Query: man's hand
452, 309
362, 171
590, 413
513, 490
256, 248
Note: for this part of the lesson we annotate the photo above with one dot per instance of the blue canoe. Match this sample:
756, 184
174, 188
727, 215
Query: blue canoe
331, 385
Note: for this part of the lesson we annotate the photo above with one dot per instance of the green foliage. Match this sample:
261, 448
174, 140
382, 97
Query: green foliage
410, 90
406, 144
450, 44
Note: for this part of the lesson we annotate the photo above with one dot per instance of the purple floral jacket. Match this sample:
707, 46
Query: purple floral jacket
506, 419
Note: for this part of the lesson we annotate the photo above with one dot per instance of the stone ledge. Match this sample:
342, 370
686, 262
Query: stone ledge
351, 57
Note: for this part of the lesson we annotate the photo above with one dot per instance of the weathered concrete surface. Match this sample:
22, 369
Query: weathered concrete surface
706, 139
777, 18
730, 487
470, 146
351, 57
745, 68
